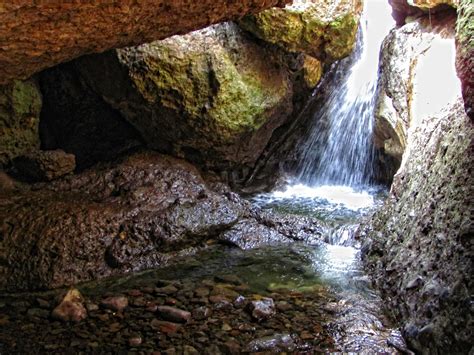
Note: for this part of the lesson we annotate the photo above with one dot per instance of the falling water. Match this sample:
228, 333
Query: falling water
339, 150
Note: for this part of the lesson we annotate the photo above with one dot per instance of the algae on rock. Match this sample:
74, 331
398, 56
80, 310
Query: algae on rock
322, 29
213, 96
20, 106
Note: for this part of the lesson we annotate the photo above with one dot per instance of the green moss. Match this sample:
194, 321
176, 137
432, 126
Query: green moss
20, 106
218, 96
309, 27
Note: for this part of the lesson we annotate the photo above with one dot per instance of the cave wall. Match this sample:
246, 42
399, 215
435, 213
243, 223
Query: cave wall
38, 35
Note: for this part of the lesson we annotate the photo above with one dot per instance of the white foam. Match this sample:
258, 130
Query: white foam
341, 195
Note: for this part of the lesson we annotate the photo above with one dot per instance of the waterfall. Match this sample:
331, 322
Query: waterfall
339, 150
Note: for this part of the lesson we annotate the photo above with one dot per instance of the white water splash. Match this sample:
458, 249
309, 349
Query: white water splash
340, 195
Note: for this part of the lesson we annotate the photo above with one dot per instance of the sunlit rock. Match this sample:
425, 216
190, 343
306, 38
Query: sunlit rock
20, 106
410, 85
322, 29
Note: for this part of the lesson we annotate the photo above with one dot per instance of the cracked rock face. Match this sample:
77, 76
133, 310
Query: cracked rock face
39, 35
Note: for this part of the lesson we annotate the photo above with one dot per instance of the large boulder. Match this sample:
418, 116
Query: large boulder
20, 106
213, 96
122, 217
37, 35
323, 29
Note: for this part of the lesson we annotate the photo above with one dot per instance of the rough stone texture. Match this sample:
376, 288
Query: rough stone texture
397, 97
465, 53
419, 247
38, 35
20, 106
323, 29
71, 307
405, 10
399, 54
213, 96
78, 121
118, 218
43, 165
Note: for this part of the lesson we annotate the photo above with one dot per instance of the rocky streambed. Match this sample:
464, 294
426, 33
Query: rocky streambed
224, 300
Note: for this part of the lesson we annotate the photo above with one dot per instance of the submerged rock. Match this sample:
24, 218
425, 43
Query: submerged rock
20, 106
115, 303
262, 309
71, 307
122, 217
322, 29
274, 343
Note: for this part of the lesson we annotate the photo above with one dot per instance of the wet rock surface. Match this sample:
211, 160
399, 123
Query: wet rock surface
128, 216
419, 246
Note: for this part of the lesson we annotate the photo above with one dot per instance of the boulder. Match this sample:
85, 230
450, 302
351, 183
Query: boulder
39, 35
20, 106
323, 29
130, 215
405, 88
213, 96
43, 165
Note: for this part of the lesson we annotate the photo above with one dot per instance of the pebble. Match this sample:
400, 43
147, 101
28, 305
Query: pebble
135, 340
115, 303
164, 326
174, 314
70, 308
262, 309
166, 290
201, 313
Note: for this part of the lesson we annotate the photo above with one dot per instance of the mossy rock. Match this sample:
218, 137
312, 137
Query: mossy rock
213, 96
323, 29
20, 106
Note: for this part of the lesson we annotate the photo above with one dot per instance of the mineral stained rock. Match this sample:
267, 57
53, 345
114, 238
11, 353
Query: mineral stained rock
20, 106
40, 34
117, 218
323, 29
